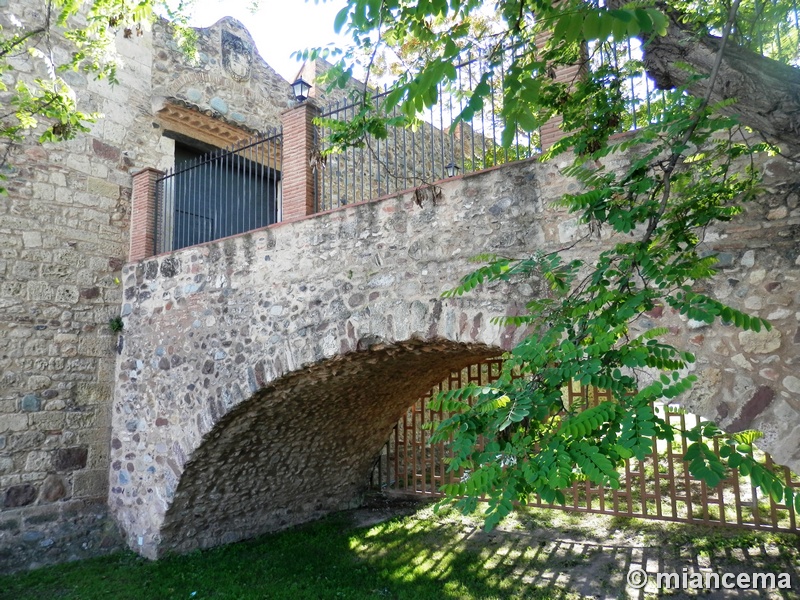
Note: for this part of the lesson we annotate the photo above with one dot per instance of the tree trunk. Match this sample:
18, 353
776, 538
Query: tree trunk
767, 92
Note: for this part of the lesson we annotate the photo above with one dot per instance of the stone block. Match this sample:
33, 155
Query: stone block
25, 270
66, 294
14, 423
219, 105
30, 403
6, 465
105, 151
38, 462
11, 525
792, 384
90, 484
102, 187
49, 420
70, 459
54, 488
19, 495
32, 239
761, 342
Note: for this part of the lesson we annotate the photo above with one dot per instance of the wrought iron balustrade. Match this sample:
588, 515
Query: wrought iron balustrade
219, 194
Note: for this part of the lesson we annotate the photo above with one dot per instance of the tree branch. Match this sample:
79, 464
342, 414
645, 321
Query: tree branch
767, 92
14, 42
676, 156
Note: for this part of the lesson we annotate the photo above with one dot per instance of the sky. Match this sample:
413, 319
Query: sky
279, 27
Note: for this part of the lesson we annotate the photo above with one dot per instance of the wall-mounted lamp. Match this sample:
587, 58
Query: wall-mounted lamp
451, 169
301, 89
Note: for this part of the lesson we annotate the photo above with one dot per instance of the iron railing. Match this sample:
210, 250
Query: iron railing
658, 487
219, 194
412, 156
232, 191
771, 28
780, 42
408, 158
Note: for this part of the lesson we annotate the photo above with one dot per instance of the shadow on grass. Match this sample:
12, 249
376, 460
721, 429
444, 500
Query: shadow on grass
416, 557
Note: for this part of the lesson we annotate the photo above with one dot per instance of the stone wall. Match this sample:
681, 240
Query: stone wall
228, 81
63, 241
747, 380
63, 233
259, 375
227, 343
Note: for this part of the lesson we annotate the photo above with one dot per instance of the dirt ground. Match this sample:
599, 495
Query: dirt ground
574, 555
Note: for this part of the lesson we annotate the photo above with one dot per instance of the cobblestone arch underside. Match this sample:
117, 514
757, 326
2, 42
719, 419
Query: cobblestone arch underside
303, 446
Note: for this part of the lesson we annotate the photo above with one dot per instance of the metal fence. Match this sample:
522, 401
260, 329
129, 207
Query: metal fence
408, 157
232, 191
639, 93
219, 194
412, 156
659, 487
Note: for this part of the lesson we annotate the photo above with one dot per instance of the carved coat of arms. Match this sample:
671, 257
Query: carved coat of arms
237, 56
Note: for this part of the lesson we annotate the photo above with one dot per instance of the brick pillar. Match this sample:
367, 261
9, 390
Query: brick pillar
143, 214
297, 176
551, 131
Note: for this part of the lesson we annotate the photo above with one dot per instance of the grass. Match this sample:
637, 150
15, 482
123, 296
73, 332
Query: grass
538, 554
414, 558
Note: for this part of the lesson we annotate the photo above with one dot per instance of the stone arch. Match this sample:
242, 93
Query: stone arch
303, 445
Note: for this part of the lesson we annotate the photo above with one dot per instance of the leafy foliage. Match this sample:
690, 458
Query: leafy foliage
684, 169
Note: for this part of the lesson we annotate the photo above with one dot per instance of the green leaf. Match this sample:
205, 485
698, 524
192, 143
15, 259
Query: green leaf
341, 19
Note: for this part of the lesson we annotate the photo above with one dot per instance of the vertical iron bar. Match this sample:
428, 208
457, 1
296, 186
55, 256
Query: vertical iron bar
369, 159
633, 87
347, 163
433, 149
279, 153
502, 102
422, 150
343, 156
461, 125
396, 146
441, 122
405, 157
240, 186
251, 192
414, 158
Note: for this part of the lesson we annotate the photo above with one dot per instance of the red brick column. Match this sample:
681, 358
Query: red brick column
143, 214
551, 131
297, 175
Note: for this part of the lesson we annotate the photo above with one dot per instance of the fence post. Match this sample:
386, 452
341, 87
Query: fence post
143, 214
297, 176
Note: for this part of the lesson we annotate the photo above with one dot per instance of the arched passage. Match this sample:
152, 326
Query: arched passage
302, 446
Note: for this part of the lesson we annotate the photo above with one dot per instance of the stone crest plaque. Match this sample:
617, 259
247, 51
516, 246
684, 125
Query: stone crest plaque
237, 56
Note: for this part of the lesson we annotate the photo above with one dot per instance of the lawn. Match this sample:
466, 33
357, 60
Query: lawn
537, 554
